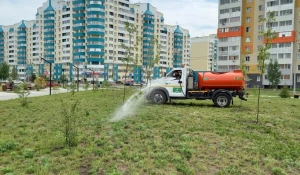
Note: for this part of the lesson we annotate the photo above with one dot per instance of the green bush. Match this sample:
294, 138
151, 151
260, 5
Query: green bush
284, 93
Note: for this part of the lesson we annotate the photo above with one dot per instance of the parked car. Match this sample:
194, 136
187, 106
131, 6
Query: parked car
129, 82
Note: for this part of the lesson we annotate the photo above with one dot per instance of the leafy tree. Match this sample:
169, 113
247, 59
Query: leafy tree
152, 58
273, 73
129, 60
4, 71
264, 54
14, 74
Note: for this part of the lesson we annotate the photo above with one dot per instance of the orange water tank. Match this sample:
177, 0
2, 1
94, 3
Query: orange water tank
228, 80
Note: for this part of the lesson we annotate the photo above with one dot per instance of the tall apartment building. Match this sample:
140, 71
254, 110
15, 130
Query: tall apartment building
88, 34
239, 37
204, 53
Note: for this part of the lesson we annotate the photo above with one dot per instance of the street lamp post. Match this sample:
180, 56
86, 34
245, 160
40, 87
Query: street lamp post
63, 77
77, 77
50, 72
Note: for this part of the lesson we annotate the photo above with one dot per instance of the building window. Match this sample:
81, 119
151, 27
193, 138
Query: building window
248, 19
285, 77
286, 2
235, 19
260, 28
247, 29
298, 78
247, 39
298, 67
258, 78
248, 9
261, 8
247, 49
260, 37
249, 1
224, 2
286, 12
247, 58
236, 9
272, 3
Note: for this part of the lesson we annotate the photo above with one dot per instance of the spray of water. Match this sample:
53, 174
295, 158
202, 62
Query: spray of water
130, 106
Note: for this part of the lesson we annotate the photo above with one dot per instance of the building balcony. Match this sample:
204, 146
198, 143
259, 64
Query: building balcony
95, 33
48, 44
76, 15
230, 33
95, 6
95, 46
79, 60
78, 53
93, 26
48, 21
81, 8
78, 28
95, 19
100, 60
79, 41
95, 39
78, 34
49, 38
78, 47
95, 53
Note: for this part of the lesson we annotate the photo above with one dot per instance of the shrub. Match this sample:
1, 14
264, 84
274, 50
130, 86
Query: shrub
69, 123
73, 87
6, 146
285, 92
23, 93
40, 82
87, 84
105, 84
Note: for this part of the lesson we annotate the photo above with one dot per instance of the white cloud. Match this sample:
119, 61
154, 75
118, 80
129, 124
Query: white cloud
198, 16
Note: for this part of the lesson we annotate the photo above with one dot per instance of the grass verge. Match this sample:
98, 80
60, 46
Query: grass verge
185, 137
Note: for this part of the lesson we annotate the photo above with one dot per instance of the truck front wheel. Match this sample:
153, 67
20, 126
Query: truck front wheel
222, 100
158, 97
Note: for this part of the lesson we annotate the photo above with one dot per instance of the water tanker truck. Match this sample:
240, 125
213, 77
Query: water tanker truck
184, 83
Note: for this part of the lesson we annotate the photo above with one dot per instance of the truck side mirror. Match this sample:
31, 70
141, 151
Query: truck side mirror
180, 82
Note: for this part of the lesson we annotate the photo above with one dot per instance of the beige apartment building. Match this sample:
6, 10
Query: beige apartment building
204, 53
239, 38
87, 34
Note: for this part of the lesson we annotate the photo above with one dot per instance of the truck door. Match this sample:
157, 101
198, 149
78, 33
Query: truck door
172, 83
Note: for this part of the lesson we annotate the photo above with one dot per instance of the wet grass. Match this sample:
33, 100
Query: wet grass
184, 137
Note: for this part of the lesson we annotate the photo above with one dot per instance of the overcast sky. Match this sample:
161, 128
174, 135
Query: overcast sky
198, 16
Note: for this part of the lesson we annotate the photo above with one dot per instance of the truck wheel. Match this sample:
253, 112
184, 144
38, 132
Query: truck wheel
158, 97
222, 100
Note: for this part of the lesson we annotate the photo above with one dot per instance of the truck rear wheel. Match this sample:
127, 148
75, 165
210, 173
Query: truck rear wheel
222, 100
158, 97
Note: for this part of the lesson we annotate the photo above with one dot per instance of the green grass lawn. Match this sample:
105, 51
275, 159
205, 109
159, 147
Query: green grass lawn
186, 137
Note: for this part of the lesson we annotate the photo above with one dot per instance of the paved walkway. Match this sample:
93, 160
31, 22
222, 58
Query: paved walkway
34, 93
